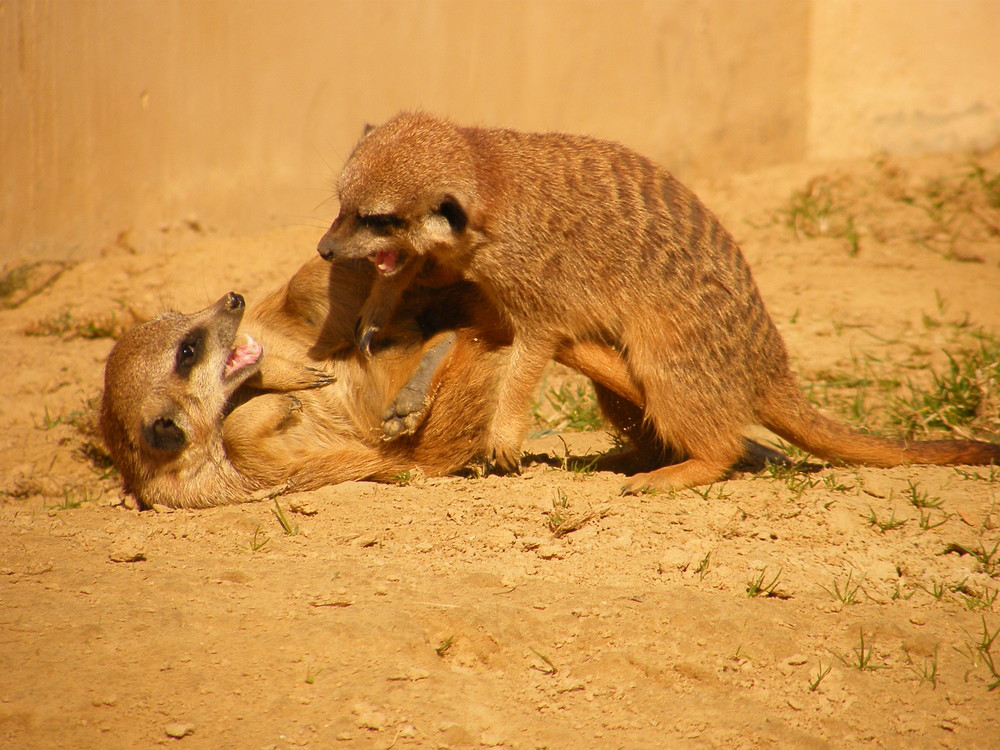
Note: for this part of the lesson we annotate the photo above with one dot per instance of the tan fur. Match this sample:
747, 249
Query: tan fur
309, 412
581, 240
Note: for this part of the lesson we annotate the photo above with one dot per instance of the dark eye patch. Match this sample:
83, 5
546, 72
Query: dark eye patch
189, 352
381, 223
453, 212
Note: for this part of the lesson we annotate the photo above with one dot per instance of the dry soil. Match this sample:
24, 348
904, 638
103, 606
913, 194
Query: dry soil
542, 610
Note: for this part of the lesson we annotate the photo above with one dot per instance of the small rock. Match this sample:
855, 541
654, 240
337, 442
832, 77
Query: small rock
550, 552
177, 729
490, 739
127, 553
373, 720
303, 507
410, 675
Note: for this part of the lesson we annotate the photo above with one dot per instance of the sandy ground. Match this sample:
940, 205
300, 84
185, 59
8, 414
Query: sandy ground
456, 612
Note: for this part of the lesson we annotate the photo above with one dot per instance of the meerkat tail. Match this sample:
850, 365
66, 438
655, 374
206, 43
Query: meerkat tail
797, 421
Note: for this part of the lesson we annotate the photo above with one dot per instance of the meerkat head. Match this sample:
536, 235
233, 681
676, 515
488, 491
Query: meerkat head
167, 386
407, 190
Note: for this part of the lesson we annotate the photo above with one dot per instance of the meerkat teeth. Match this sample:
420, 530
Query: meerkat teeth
386, 260
242, 355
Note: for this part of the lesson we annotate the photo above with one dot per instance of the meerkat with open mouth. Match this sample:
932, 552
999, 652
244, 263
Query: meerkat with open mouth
574, 240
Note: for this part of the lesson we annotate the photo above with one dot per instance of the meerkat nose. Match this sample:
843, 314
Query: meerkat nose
327, 247
234, 301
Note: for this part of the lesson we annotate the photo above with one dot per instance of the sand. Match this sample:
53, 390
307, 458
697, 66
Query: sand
541, 610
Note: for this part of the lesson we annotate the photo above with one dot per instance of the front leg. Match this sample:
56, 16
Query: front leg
382, 301
280, 374
522, 374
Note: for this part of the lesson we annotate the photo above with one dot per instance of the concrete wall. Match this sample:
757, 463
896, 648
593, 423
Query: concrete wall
902, 76
133, 116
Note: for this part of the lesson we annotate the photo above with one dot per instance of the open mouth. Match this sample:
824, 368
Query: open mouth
387, 262
243, 354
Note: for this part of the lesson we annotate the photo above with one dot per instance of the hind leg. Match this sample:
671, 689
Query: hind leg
645, 450
693, 413
711, 456
407, 411
690, 473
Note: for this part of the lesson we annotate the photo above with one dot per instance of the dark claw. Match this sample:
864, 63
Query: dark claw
505, 466
321, 378
363, 339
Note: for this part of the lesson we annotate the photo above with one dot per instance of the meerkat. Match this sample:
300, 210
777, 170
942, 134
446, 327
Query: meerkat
576, 239
225, 405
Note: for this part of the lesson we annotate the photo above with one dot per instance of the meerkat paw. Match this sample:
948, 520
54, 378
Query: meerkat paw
292, 404
505, 445
405, 414
280, 374
690, 473
506, 457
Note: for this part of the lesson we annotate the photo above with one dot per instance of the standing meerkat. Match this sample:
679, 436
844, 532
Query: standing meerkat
581, 240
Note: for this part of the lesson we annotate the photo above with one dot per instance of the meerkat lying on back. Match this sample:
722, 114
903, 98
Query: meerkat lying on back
210, 408
580, 240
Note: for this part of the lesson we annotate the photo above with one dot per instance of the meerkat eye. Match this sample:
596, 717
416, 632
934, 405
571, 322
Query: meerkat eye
380, 223
189, 352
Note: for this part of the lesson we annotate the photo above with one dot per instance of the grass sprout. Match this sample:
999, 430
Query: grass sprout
964, 400
573, 408
549, 667
562, 521
848, 593
286, 526
862, 656
820, 676
444, 646
887, 524
757, 587
928, 671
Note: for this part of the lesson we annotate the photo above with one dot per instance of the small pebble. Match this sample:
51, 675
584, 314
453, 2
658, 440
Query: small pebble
127, 553
177, 729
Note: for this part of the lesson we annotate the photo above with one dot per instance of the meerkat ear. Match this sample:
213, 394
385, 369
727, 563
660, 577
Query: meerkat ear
452, 210
368, 128
163, 434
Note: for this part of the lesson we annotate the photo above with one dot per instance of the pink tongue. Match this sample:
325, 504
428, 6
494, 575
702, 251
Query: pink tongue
242, 355
385, 260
